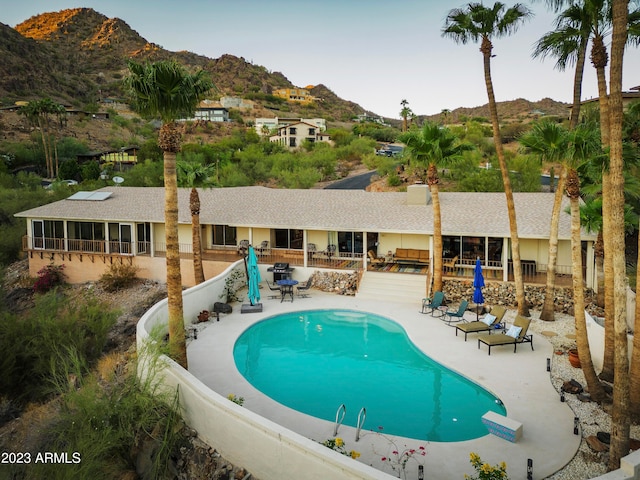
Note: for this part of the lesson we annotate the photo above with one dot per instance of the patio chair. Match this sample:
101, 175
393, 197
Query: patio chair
451, 316
243, 247
263, 249
303, 290
515, 335
490, 322
450, 265
374, 258
433, 304
311, 250
273, 288
331, 250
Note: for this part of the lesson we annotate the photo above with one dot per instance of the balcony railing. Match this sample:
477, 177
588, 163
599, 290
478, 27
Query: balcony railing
73, 245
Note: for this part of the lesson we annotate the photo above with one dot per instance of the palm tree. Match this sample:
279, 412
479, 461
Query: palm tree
578, 145
39, 113
620, 426
191, 175
476, 22
546, 139
434, 146
405, 113
165, 89
568, 43
445, 113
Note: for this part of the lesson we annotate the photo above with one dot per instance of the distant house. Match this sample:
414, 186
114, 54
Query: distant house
209, 111
627, 97
265, 126
121, 158
236, 102
292, 135
298, 95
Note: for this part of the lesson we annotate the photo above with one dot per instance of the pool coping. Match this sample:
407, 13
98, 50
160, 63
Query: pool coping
520, 380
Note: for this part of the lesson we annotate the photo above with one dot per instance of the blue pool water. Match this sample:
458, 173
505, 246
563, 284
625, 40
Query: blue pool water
314, 361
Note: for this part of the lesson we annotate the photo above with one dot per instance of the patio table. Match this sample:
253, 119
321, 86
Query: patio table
286, 288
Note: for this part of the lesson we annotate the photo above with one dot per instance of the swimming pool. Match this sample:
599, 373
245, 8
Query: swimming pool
314, 361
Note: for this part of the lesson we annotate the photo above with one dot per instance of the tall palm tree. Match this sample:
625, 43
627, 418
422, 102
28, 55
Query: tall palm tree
475, 22
405, 113
39, 113
580, 144
165, 89
568, 43
194, 174
546, 140
620, 426
434, 146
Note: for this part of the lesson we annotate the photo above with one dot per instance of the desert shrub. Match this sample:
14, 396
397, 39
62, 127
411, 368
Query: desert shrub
119, 276
49, 277
393, 180
36, 345
105, 420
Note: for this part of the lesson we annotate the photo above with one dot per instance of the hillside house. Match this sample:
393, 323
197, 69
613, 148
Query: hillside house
298, 95
293, 135
267, 126
209, 111
314, 228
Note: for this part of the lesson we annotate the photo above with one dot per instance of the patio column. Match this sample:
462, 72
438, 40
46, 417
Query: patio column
305, 259
505, 259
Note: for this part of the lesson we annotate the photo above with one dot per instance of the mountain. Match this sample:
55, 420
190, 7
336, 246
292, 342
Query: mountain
77, 55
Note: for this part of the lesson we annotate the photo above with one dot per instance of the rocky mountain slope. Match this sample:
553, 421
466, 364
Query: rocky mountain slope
78, 55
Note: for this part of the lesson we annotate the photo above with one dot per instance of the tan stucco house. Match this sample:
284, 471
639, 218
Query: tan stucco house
310, 228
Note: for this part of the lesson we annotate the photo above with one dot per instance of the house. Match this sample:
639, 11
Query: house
293, 135
314, 228
298, 95
627, 98
266, 126
209, 111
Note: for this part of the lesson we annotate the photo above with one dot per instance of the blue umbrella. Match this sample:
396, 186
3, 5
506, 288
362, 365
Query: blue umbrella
478, 283
253, 276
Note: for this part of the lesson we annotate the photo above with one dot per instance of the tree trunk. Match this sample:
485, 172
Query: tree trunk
194, 203
548, 308
620, 426
634, 371
577, 83
523, 307
437, 229
596, 390
177, 341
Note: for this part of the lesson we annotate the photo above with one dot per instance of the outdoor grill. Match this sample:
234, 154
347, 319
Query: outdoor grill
281, 271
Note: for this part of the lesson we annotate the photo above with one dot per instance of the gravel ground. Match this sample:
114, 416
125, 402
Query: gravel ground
593, 418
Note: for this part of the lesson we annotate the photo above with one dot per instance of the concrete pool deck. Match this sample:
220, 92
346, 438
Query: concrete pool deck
520, 380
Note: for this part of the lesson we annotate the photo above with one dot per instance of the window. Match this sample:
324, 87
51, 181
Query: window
292, 141
292, 130
86, 236
120, 238
48, 234
285, 238
350, 242
312, 131
143, 231
224, 235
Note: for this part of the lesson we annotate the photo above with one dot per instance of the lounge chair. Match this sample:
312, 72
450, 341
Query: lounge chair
274, 288
303, 290
456, 315
486, 324
515, 335
243, 247
331, 250
433, 304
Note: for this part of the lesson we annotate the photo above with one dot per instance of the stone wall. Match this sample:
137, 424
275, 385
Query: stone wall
504, 293
342, 283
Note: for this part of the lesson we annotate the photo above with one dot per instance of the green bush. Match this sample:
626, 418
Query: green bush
119, 276
35, 346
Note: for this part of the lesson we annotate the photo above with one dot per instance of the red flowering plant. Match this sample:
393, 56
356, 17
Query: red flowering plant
398, 459
49, 277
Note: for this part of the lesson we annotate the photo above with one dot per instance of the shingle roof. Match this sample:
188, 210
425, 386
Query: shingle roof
469, 213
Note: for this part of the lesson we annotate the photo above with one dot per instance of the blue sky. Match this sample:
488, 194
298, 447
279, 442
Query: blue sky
373, 52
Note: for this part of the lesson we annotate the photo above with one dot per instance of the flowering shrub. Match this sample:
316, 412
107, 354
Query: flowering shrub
49, 277
484, 471
338, 445
398, 459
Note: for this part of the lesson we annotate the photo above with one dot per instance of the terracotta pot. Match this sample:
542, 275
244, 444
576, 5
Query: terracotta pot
574, 359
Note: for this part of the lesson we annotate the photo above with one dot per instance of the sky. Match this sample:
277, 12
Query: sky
375, 53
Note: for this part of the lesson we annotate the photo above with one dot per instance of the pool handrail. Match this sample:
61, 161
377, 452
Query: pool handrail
341, 409
362, 416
